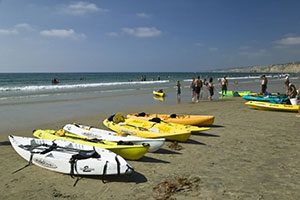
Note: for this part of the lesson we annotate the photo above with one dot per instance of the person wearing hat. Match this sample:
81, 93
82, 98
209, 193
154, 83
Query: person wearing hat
286, 84
224, 85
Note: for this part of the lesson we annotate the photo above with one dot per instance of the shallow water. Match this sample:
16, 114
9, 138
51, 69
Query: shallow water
32, 110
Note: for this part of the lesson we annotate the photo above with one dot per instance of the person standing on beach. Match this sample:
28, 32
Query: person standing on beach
205, 89
178, 88
224, 85
210, 86
264, 83
198, 86
192, 86
286, 84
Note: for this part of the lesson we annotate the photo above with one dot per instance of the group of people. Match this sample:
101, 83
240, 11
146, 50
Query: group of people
198, 86
290, 90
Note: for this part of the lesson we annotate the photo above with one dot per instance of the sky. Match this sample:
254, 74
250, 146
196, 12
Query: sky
146, 35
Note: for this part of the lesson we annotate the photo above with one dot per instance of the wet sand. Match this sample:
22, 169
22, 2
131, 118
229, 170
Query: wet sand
248, 154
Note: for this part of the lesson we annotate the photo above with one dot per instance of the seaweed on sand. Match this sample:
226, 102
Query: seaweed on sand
167, 188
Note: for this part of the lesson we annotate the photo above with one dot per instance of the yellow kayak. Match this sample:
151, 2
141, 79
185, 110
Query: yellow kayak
158, 98
195, 120
150, 129
159, 93
272, 106
130, 152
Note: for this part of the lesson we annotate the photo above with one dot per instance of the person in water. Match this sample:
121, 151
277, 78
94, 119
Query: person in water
210, 86
224, 85
55, 81
178, 88
264, 83
198, 87
192, 86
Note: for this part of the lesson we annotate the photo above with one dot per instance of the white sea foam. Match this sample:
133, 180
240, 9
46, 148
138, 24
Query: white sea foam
243, 77
74, 86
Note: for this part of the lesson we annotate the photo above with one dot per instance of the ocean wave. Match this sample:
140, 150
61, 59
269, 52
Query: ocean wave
74, 86
242, 77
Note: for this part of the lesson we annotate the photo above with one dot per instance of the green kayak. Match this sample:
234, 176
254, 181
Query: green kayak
231, 93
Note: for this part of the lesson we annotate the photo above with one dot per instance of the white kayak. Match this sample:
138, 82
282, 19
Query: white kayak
69, 158
91, 132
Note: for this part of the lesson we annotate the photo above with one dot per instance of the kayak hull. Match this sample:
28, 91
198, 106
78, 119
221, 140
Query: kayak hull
194, 120
101, 134
272, 106
146, 129
129, 152
58, 159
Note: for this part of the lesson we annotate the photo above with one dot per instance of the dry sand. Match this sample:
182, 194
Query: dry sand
249, 154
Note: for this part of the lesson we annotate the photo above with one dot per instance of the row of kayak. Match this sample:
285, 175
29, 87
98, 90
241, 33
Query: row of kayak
272, 101
83, 150
231, 93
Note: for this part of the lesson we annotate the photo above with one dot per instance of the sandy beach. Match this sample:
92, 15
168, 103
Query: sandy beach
248, 154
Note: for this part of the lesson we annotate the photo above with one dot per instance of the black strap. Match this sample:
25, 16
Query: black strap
72, 165
51, 148
128, 168
81, 156
104, 171
78, 179
121, 142
76, 125
29, 163
118, 164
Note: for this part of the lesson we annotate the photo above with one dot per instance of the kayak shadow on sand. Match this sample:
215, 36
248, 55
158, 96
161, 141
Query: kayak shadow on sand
5, 143
190, 141
152, 160
206, 134
216, 126
135, 177
166, 151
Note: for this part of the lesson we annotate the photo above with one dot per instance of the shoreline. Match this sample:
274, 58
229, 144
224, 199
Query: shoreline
26, 115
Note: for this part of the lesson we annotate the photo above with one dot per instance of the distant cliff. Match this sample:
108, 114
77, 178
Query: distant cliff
293, 67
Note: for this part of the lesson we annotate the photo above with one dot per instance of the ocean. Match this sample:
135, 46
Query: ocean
30, 99
14, 86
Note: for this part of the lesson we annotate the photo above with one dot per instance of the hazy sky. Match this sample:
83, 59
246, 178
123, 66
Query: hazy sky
146, 35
